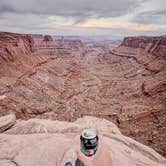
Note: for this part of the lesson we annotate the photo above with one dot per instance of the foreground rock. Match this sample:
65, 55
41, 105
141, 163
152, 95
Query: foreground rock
6, 122
39, 142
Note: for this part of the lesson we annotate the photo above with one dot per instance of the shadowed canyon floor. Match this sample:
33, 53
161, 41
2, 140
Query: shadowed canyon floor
69, 79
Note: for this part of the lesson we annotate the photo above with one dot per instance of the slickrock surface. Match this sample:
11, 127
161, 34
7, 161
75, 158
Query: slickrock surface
69, 79
39, 142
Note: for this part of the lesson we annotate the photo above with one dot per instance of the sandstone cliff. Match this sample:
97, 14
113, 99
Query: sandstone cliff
154, 45
18, 57
14, 45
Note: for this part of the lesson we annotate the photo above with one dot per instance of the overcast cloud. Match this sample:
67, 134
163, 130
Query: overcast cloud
74, 8
62, 16
151, 17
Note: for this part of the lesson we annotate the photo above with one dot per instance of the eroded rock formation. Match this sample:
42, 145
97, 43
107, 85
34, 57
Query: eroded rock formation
154, 45
47, 38
14, 45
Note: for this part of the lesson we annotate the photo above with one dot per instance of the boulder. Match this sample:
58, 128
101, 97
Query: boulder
6, 122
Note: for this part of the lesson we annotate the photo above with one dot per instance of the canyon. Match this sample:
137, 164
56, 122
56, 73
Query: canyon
123, 83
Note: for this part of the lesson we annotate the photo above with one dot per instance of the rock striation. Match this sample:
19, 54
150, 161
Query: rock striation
154, 45
14, 45
53, 143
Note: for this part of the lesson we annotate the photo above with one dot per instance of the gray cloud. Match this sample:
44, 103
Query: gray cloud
151, 17
73, 8
31, 16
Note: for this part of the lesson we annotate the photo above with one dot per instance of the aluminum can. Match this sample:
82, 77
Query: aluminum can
89, 142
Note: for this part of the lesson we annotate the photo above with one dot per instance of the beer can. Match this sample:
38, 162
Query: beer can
89, 142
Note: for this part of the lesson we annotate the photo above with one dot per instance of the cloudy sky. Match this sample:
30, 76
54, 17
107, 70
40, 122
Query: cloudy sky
84, 17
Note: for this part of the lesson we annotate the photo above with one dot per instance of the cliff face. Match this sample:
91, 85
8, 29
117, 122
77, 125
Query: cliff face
153, 45
18, 57
14, 45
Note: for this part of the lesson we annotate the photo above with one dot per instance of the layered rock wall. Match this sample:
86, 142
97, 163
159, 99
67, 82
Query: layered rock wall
153, 45
14, 45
